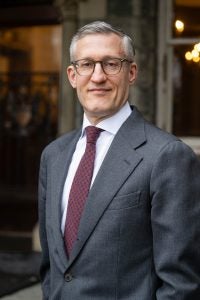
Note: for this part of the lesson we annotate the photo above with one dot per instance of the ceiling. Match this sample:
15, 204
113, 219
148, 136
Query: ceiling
28, 12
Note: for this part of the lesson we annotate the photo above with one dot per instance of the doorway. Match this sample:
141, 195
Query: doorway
30, 60
178, 104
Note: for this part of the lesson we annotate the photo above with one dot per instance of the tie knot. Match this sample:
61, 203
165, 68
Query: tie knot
92, 134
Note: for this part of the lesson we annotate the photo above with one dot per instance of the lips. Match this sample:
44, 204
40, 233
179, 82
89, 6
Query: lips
99, 90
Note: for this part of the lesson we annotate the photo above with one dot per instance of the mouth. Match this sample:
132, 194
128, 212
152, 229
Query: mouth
99, 91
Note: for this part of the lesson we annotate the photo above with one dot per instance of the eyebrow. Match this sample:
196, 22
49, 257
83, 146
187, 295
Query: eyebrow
105, 57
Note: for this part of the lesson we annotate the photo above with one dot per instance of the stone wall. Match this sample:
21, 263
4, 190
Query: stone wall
139, 19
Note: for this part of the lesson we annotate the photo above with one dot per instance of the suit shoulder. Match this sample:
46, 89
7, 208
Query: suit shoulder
159, 135
157, 139
60, 143
160, 141
153, 134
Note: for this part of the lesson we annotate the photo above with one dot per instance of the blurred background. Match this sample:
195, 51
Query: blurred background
37, 103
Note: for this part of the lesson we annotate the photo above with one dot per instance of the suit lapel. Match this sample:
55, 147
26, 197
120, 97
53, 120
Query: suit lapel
59, 171
119, 163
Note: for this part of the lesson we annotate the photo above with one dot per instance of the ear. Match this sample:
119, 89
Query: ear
132, 73
71, 73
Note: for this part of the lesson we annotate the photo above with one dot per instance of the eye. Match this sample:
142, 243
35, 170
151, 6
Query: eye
86, 64
111, 63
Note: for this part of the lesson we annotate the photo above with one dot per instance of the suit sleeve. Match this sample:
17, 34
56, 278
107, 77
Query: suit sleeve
45, 263
175, 214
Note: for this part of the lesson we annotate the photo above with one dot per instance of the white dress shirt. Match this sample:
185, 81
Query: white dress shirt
110, 126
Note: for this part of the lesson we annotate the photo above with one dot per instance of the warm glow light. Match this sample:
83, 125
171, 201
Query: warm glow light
197, 47
188, 55
179, 26
195, 53
196, 59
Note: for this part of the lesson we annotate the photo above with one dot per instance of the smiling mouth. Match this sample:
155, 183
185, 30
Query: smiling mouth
99, 90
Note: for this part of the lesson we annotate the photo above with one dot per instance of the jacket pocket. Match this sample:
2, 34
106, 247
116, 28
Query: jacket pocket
125, 201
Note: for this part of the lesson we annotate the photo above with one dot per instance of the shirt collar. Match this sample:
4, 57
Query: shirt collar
111, 124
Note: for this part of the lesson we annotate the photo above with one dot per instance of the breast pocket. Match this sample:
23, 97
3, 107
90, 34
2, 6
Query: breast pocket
125, 201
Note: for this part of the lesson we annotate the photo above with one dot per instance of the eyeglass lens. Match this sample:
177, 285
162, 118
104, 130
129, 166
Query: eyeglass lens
109, 66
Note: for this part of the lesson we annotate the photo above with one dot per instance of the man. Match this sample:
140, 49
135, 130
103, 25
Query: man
138, 231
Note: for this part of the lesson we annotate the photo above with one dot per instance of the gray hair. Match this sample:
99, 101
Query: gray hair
102, 28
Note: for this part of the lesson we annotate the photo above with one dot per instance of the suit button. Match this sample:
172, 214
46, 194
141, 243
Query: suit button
68, 277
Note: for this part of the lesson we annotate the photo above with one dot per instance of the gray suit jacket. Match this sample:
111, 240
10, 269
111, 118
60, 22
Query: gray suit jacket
139, 235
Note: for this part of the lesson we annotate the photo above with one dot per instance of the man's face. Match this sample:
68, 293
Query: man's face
101, 95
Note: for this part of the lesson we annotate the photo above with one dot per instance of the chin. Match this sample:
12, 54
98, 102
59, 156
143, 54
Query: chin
101, 113
98, 109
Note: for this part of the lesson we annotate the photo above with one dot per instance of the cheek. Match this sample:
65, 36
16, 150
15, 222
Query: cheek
122, 88
80, 87
82, 94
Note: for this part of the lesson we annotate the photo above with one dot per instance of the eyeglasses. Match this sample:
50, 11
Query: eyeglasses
110, 66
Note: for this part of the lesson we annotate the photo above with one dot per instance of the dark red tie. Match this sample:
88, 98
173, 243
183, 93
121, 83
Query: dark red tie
80, 188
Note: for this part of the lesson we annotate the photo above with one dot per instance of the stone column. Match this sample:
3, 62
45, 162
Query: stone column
145, 32
139, 19
67, 100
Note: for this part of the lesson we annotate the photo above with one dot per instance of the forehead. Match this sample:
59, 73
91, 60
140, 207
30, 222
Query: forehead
99, 45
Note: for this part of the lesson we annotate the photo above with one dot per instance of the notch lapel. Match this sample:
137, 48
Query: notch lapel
121, 159
59, 173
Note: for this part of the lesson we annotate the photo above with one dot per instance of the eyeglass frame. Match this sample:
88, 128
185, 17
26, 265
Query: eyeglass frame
74, 63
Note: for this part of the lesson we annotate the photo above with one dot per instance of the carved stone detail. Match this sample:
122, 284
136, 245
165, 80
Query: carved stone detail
68, 8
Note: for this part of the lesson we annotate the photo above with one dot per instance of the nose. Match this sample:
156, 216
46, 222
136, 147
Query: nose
98, 75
